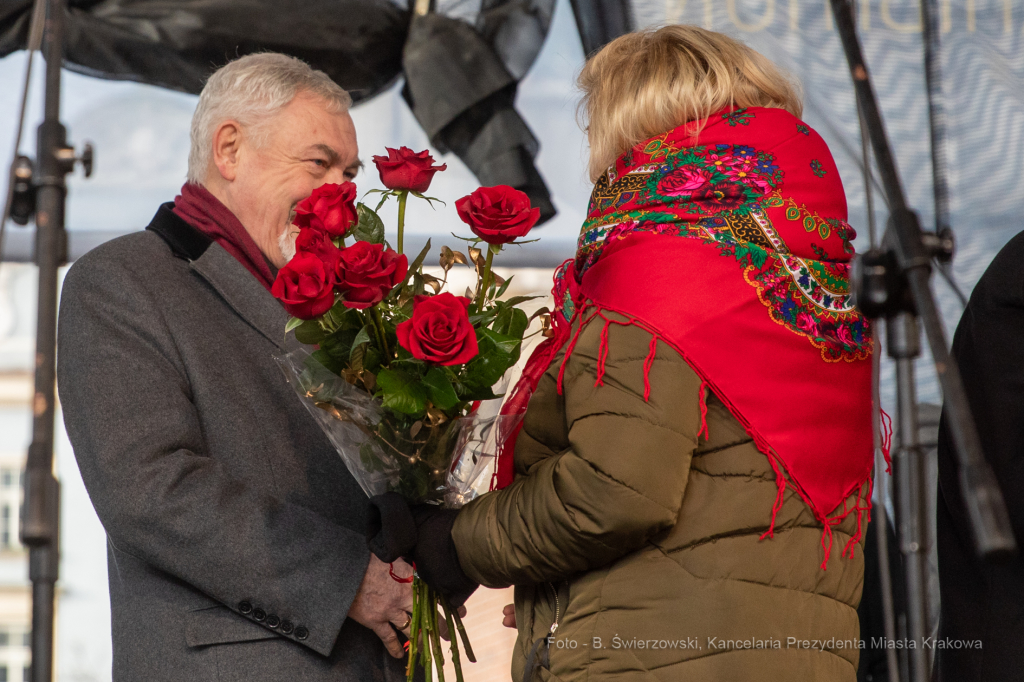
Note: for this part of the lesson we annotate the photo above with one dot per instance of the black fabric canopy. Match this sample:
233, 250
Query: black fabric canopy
461, 63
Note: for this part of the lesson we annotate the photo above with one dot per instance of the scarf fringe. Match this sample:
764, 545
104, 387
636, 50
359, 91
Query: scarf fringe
648, 363
780, 494
886, 439
862, 505
702, 398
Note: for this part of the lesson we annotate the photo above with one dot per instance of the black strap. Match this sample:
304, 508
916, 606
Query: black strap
532, 662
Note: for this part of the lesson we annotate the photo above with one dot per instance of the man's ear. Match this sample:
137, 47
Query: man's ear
227, 143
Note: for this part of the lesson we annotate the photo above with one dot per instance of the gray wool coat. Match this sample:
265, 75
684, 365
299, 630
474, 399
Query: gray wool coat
235, 532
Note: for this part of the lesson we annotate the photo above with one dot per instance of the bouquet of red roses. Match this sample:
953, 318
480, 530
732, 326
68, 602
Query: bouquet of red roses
406, 376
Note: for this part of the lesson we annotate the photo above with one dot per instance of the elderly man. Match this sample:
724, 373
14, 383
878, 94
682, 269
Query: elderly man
235, 533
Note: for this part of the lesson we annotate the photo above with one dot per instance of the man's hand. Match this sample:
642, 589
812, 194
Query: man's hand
383, 602
509, 613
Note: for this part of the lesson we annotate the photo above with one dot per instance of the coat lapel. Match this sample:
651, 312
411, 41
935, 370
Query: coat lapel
242, 292
235, 284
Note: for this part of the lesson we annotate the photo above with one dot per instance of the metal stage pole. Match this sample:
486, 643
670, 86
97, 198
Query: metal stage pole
904, 346
894, 282
40, 523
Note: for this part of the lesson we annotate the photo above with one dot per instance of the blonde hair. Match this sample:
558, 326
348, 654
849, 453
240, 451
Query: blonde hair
645, 83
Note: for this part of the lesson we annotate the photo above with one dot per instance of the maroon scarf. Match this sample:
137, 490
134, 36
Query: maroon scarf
203, 211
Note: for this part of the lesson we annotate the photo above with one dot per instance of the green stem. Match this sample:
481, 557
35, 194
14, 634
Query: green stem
435, 638
414, 630
465, 637
454, 639
402, 198
485, 280
428, 667
382, 336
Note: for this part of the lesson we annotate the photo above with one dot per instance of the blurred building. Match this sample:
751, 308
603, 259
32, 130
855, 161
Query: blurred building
17, 298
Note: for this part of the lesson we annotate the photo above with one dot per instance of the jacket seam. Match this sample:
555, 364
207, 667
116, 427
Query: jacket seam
601, 472
667, 555
764, 476
727, 446
640, 417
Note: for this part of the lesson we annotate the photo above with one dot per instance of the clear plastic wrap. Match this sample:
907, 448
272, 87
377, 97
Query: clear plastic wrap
447, 462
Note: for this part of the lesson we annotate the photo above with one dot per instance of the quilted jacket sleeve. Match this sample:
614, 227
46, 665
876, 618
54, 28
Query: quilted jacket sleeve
600, 469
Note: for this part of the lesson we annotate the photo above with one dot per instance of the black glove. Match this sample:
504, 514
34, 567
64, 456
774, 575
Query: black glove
436, 560
390, 529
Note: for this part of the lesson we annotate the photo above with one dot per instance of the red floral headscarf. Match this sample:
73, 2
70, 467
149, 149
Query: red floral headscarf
740, 234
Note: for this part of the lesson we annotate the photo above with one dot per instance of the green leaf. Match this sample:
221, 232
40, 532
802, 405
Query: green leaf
339, 344
504, 287
325, 359
372, 359
492, 361
479, 393
293, 323
516, 300
429, 200
309, 333
440, 389
361, 338
370, 227
384, 197
485, 318
355, 358
402, 392
369, 457
519, 323
415, 265
503, 319
335, 318
505, 342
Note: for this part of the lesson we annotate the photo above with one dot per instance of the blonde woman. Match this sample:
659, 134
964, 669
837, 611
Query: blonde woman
688, 491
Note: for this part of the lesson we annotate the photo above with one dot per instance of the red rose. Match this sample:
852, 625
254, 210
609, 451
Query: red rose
330, 208
366, 272
305, 286
404, 169
318, 243
498, 215
439, 330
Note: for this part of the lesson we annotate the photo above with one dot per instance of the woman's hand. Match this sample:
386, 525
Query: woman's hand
509, 612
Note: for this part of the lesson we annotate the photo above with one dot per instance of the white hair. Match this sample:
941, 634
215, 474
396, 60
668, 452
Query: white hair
250, 91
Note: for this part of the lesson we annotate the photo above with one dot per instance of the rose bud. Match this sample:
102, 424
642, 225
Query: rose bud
439, 330
330, 208
404, 169
366, 272
305, 285
499, 214
318, 243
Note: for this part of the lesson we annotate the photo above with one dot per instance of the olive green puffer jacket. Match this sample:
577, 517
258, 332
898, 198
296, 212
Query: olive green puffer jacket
651, 536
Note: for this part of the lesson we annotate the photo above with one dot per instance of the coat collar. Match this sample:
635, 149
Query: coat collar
236, 285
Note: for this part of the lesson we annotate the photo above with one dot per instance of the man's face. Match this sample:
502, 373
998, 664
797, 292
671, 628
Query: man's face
304, 147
